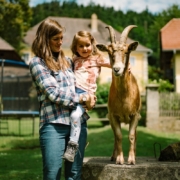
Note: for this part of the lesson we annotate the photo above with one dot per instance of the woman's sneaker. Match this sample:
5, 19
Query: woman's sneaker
71, 151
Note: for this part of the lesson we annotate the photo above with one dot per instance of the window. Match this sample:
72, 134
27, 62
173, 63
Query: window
132, 61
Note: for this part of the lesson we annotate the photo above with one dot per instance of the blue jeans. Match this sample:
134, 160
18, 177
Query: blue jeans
53, 140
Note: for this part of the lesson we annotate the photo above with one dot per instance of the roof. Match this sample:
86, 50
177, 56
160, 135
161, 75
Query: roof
5, 45
73, 25
7, 51
170, 35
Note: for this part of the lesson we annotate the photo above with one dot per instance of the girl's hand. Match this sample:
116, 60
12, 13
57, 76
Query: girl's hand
90, 101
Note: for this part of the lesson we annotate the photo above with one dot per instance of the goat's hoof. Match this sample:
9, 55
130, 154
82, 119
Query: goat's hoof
131, 163
113, 159
120, 163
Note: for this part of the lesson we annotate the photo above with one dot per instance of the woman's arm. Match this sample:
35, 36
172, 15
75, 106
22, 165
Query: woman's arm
49, 86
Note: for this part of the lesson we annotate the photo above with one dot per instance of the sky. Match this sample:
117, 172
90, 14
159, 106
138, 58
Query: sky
154, 6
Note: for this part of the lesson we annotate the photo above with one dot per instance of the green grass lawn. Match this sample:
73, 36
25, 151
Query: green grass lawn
101, 141
20, 157
20, 164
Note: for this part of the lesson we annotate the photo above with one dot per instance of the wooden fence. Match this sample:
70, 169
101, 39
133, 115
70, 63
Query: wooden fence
162, 110
159, 111
169, 104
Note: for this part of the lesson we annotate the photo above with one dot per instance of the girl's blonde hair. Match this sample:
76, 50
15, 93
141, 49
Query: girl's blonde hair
40, 47
78, 36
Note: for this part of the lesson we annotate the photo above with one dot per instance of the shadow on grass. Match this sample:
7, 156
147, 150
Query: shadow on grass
24, 160
92, 124
101, 140
20, 164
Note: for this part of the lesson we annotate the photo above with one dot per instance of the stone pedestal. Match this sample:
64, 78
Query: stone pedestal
146, 168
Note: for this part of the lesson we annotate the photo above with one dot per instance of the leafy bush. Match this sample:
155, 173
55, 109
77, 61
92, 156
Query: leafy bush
102, 93
164, 85
154, 73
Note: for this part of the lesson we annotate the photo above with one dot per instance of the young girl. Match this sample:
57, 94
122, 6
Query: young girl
87, 67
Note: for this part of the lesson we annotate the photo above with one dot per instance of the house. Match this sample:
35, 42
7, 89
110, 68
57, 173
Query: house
138, 59
7, 51
12, 62
170, 52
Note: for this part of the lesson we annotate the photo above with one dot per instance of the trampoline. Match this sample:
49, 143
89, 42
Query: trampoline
14, 95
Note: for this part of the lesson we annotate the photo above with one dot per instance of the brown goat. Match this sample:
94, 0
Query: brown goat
124, 97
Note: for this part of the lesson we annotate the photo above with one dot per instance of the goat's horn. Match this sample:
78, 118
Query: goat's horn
112, 34
125, 33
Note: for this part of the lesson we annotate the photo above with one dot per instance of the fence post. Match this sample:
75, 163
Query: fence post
152, 106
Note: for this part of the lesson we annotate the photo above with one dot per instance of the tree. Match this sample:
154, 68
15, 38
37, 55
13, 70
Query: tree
148, 24
15, 17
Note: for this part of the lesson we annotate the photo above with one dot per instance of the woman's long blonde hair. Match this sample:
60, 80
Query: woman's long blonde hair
40, 47
78, 36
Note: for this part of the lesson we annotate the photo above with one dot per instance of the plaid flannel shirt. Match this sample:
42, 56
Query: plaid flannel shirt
55, 91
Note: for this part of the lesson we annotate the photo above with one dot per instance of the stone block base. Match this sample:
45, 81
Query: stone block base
146, 168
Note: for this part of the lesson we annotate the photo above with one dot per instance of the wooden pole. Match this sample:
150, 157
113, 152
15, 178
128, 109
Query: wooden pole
1, 89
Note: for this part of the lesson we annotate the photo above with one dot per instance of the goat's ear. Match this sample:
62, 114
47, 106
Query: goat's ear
102, 47
133, 46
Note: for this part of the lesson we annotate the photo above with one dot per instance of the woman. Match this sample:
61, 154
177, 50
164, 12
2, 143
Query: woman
55, 84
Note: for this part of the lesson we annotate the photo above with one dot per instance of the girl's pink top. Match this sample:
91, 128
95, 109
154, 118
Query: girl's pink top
87, 71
